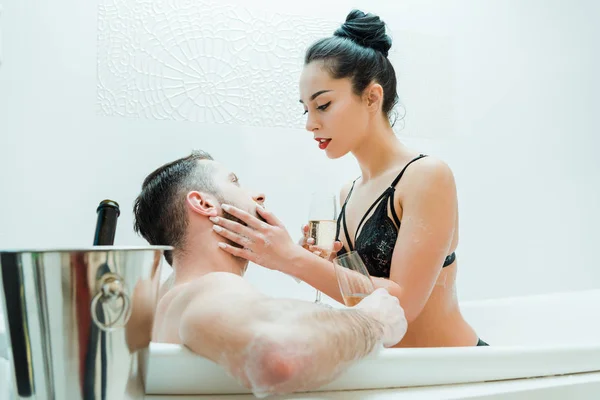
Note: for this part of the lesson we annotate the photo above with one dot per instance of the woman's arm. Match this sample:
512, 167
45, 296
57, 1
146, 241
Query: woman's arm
268, 244
428, 221
429, 208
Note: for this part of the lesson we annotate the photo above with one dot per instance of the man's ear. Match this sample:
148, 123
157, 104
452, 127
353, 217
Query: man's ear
202, 204
373, 97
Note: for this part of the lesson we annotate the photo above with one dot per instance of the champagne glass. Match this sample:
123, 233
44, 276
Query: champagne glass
353, 278
322, 224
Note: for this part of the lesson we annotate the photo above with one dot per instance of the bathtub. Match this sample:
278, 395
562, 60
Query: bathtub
554, 340
532, 336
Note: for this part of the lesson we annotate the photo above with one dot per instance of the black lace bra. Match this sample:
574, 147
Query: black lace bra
377, 239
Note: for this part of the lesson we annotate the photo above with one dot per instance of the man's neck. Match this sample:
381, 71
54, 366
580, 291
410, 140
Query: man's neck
200, 260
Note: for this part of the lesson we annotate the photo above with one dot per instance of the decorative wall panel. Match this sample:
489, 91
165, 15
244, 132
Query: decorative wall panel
202, 61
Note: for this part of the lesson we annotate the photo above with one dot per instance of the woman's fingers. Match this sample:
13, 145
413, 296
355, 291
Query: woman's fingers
305, 241
329, 254
232, 226
320, 251
234, 237
250, 220
242, 253
269, 217
337, 246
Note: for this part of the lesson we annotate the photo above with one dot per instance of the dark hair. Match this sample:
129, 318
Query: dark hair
159, 210
358, 50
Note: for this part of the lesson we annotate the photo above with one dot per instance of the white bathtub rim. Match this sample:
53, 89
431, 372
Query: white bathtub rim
400, 368
168, 349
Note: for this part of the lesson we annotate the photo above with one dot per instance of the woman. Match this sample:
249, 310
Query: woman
400, 214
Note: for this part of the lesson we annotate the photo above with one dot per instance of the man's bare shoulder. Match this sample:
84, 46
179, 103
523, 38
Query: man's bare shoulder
214, 292
214, 284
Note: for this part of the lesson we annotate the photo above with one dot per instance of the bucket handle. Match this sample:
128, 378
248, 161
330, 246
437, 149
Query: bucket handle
111, 289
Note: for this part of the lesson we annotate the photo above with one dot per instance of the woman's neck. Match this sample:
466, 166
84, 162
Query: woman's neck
379, 152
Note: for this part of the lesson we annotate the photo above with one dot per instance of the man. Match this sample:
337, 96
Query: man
270, 345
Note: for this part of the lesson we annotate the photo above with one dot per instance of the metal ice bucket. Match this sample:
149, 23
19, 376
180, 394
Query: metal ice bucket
75, 319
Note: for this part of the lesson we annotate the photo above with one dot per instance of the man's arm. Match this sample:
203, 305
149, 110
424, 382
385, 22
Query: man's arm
276, 346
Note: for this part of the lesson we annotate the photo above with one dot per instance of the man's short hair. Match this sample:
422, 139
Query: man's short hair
160, 214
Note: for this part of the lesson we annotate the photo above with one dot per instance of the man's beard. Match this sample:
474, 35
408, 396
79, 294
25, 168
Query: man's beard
230, 217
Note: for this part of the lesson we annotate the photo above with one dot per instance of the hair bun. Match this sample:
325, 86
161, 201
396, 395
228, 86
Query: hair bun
367, 30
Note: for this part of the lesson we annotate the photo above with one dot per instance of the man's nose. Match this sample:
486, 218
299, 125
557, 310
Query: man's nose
259, 198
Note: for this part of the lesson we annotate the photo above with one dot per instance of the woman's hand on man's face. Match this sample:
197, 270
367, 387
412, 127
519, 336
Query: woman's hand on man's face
266, 243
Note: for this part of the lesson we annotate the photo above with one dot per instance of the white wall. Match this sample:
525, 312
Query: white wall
504, 91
